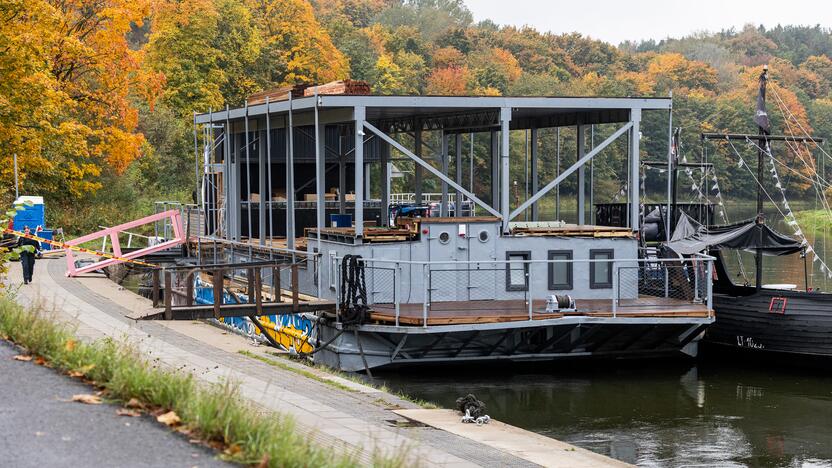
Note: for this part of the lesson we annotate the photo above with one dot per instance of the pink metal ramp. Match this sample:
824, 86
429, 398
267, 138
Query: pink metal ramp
175, 218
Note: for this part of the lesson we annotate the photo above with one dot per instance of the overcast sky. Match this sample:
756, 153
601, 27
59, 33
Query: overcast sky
617, 20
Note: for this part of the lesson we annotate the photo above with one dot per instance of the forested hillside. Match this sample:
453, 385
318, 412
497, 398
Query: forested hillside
97, 96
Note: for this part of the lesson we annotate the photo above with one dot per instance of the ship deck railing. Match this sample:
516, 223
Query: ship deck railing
439, 293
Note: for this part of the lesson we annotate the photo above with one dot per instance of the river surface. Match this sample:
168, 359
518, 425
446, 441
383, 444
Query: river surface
710, 412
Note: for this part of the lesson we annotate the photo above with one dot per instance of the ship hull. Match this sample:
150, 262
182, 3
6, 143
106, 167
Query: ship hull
776, 323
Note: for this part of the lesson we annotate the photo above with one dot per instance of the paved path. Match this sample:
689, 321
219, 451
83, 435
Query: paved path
40, 426
359, 422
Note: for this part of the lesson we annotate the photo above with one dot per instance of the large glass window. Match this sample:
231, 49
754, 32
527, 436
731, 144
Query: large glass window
600, 271
560, 270
517, 273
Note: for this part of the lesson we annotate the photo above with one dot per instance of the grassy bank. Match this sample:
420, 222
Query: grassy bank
214, 414
811, 220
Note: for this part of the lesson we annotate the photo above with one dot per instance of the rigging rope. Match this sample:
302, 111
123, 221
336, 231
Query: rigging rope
791, 220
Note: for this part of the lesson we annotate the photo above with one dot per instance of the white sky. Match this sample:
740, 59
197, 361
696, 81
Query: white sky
617, 20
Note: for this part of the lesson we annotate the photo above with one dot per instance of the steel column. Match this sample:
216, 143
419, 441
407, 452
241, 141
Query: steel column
359, 113
534, 175
581, 145
635, 121
384, 155
290, 179
443, 208
505, 119
458, 171
262, 168
495, 170
417, 137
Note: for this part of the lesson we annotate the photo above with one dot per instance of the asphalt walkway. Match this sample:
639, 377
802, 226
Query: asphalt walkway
40, 426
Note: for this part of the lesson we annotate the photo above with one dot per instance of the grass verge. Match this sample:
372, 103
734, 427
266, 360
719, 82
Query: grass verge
216, 414
811, 220
351, 377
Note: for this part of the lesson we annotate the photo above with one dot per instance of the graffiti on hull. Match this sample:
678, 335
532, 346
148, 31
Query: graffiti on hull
292, 332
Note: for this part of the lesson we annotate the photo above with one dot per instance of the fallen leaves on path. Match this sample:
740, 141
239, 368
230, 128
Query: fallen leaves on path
232, 450
134, 403
169, 419
86, 398
264, 462
128, 412
23, 357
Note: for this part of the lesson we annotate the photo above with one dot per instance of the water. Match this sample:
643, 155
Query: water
706, 414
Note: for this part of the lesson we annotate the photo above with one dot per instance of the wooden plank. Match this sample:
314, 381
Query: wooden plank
244, 309
168, 295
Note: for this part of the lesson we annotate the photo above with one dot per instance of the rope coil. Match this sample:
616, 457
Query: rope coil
353, 301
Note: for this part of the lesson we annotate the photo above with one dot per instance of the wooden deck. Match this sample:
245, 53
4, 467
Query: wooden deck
470, 312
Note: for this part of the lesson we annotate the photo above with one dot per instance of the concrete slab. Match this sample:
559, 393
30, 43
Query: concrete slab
521, 443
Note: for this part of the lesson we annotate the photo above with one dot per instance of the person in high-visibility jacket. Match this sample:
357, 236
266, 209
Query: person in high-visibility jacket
27, 258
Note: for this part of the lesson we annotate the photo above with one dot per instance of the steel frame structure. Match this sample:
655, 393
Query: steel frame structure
384, 117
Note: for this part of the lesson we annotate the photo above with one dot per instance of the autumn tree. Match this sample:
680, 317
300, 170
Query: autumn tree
449, 81
69, 83
296, 49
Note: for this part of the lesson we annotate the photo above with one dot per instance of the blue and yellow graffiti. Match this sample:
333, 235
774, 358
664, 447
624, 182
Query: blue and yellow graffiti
292, 332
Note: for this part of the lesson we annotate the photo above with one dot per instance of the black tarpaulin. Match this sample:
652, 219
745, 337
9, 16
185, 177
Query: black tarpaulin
690, 237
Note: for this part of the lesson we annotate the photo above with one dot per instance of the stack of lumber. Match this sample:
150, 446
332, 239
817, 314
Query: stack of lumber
573, 230
276, 94
345, 87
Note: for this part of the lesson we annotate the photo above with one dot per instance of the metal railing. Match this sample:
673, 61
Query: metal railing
436, 286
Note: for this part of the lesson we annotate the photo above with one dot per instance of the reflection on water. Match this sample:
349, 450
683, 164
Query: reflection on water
710, 415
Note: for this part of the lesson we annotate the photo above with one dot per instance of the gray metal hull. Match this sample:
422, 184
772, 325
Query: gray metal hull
375, 346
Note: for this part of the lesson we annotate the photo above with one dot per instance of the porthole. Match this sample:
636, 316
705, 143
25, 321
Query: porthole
444, 238
483, 236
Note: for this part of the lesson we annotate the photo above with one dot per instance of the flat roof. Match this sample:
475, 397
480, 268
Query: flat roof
458, 111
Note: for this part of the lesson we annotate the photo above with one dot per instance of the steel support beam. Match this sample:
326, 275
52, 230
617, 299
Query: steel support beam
443, 209
430, 168
534, 175
417, 172
581, 145
262, 171
635, 125
359, 114
495, 170
569, 171
384, 156
320, 175
505, 120
458, 173
290, 179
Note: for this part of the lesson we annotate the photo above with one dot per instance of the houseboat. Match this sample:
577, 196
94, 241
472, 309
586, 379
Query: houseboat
321, 241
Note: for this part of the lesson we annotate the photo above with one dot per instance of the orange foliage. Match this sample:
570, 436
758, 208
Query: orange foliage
449, 81
448, 57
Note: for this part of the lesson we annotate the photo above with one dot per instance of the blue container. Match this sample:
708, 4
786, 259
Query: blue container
340, 220
33, 213
46, 234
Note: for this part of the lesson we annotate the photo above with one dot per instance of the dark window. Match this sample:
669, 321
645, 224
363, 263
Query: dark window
483, 236
444, 238
600, 272
560, 272
517, 274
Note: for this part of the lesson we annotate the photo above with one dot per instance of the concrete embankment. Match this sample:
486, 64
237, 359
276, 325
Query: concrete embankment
355, 418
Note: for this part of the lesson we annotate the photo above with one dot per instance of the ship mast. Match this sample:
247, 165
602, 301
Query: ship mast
764, 130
